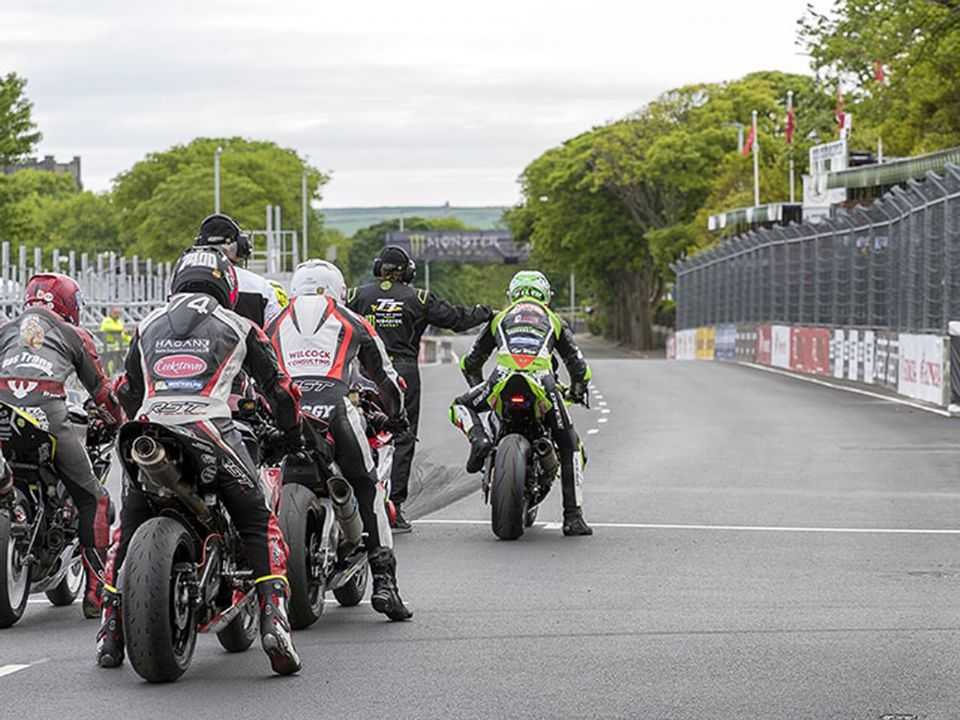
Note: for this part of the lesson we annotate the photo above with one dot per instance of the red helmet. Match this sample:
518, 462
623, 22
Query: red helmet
58, 292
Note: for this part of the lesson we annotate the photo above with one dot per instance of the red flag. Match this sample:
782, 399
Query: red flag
840, 114
791, 125
748, 145
879, 74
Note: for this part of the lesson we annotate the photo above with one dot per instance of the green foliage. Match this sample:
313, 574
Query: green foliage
918, 43
163, 198
18, 132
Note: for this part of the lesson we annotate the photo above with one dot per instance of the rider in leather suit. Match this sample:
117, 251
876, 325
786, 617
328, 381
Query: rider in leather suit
39, 351
317, 340
525, 335
179, 371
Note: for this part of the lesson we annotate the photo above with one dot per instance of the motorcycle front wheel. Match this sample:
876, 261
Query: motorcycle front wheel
67, 589
158, 616
14, 573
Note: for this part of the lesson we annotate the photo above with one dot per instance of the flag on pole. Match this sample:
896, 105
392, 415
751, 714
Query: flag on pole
791, 120
839, 112
751, 138
879, 73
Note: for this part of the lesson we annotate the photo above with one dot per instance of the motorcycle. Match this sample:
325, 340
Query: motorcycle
521, 468
39, 542
184, 572
321, 522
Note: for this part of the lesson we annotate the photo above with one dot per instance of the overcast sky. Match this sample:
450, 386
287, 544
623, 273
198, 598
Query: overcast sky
416, 102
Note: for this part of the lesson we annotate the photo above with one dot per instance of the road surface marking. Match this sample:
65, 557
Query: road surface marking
602, 403
605, 411
858, 391
11, 669
728, 528
602, 420
593, 431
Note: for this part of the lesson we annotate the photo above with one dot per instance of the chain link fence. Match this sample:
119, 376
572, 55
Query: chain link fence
892, 265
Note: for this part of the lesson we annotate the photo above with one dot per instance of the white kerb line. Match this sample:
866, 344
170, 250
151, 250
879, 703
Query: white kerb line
11, 669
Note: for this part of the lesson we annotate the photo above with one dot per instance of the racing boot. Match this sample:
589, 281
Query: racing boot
574, 524
93, 565
386, 596
399, 524
275, 634
480, 447
110, 636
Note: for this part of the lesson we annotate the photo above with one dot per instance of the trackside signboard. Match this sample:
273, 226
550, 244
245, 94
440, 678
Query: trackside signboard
468, 246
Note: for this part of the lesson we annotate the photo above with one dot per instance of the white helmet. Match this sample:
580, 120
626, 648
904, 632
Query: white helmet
318, 277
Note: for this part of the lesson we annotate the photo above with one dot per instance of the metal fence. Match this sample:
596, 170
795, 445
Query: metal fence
895, 264
107, 280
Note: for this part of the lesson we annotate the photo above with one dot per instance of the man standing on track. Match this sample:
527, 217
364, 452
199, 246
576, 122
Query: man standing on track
401, 313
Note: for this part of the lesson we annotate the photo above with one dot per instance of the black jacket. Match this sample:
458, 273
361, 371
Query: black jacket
401, 313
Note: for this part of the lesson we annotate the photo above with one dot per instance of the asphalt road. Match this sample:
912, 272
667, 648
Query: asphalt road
764, 548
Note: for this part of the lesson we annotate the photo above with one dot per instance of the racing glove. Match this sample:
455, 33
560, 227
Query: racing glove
579, 393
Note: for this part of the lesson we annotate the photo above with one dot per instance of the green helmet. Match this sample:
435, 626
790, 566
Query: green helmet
529, 283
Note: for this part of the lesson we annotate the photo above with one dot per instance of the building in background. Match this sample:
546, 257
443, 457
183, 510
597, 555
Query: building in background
48, 164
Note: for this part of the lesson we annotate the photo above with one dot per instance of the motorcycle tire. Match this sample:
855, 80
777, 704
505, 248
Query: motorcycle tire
352, 592
160, 626
68, 589
14, 578
507, 501
302, 520
239, 635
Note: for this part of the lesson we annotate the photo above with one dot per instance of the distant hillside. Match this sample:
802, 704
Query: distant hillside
349, 220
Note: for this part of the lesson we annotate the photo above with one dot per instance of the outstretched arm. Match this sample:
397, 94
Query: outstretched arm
455, 317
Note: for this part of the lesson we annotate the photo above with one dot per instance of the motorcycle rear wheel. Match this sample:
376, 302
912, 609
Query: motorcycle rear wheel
69, 588
14, 576
161, 629
507, 500
301, 520
352, 592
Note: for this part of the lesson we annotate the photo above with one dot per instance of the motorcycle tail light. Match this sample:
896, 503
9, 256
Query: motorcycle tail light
519, 400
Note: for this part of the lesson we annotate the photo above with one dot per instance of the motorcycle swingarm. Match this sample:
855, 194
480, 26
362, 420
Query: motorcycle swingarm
221, 620
352, 565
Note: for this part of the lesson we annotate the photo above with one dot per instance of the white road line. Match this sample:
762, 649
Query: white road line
858, 391
11, 669
602, 403
593, 431
605, 411
729, 528
602, 420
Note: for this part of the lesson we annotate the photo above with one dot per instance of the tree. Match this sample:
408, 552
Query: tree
18, 133
917, 43
162, 198
23, 198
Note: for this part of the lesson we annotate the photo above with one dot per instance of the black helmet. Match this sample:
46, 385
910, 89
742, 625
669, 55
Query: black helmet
206, 270
394, 262
222, 230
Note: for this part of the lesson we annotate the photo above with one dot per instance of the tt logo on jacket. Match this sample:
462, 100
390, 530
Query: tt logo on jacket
388, 305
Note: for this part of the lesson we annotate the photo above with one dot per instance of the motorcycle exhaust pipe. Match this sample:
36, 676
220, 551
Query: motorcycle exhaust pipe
547, 454
346, 510
151, 457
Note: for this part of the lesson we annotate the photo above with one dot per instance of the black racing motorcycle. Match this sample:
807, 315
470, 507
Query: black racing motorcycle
321, 522
524, 463
184, 571
39, 541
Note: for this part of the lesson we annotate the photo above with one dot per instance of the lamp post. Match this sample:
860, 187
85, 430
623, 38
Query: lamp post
216, 179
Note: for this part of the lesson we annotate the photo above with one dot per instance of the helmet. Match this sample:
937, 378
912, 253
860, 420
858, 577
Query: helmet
530, 283
206, 270
58, 292
394, 262
223, 231
281, 292
318, 277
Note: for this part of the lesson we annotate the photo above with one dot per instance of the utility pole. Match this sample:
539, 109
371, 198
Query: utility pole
306, 205
793, 182
216, 179
573, 300
756, 163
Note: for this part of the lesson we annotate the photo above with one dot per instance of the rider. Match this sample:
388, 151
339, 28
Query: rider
526, 334
39, 351
258, 301
401, 313
317, 340
179, 371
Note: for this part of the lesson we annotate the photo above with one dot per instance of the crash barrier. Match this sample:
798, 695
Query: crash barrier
436, 349
894, 265
921, 366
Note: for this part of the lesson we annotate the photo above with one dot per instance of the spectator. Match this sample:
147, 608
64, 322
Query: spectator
115, 335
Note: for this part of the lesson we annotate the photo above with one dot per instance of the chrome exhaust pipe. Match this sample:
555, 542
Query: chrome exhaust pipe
151, 457
346, 510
